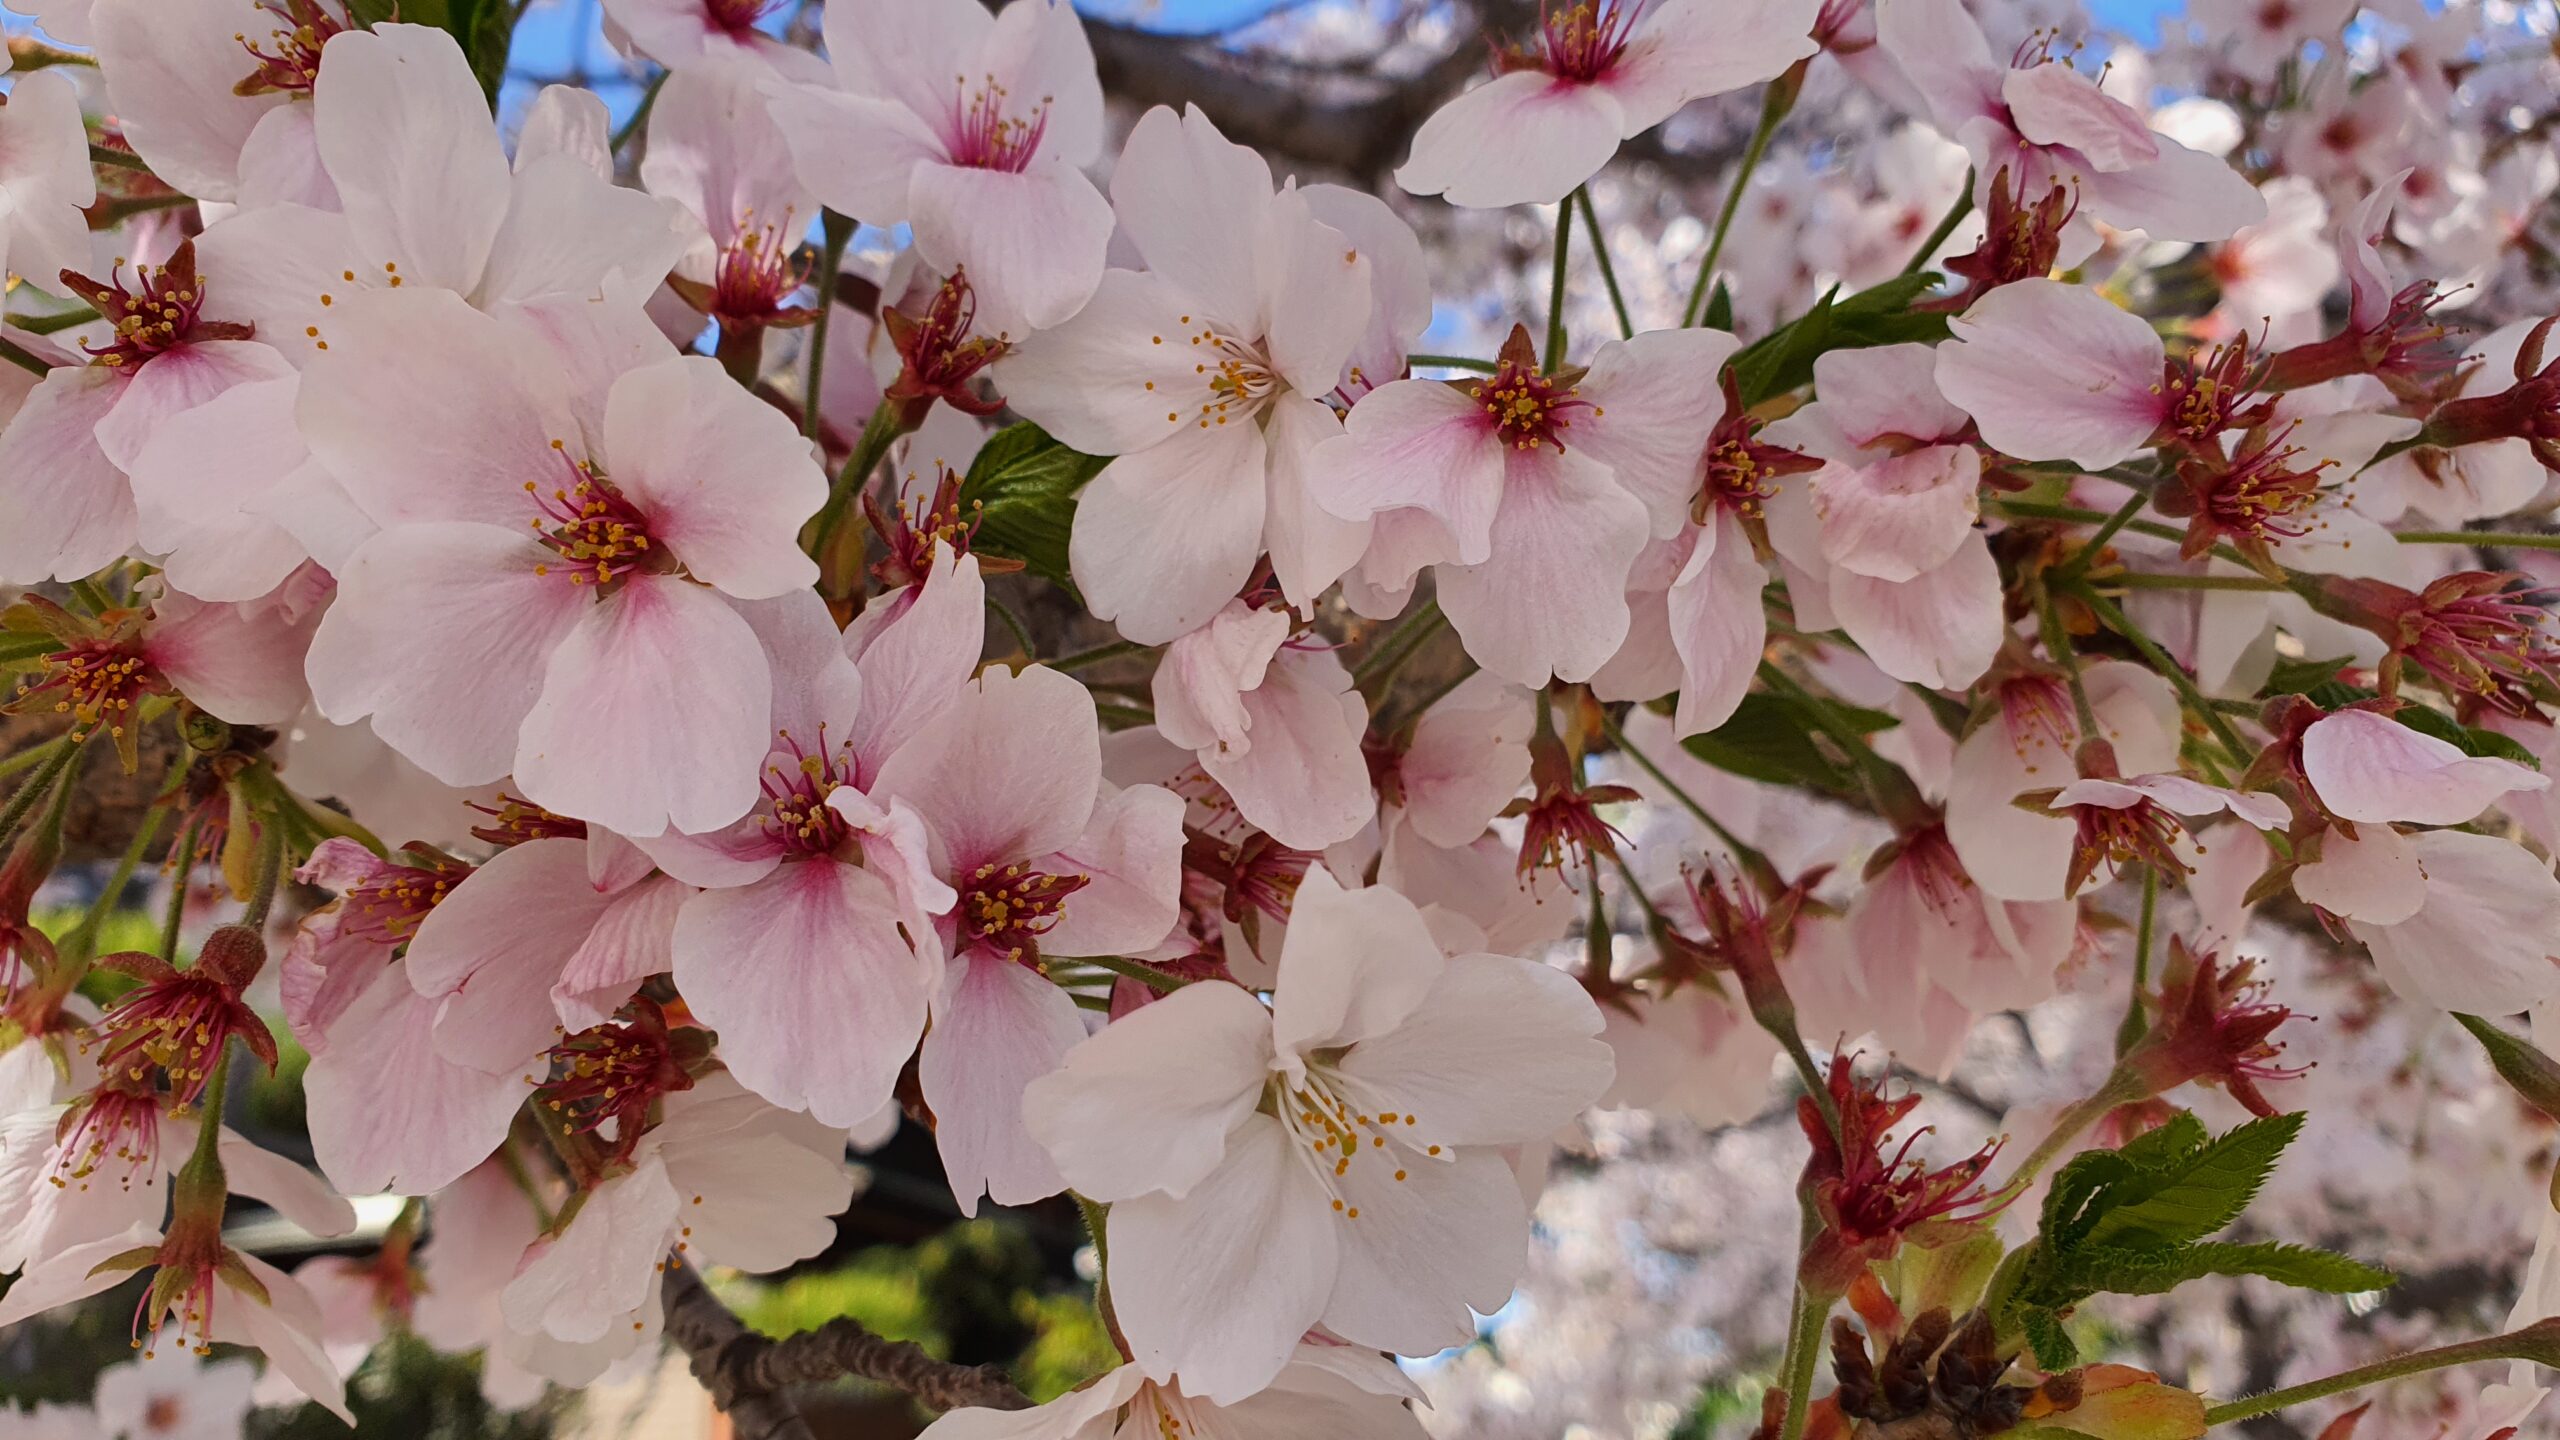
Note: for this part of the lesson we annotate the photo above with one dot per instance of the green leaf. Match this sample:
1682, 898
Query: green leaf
2125, 1272
485, 29
2163, 1210
2297, 677
2045, 1336
2169, 1143
1719, 314
1028, 483
2533, 1075
2467, 739
1770, 738
1880, 315
369, 13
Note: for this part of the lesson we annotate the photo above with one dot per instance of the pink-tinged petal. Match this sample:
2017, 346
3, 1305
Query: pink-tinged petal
271, 267
1131, 857
2184, 195
322, 975
1901, 516
857, 153
1216, 1287
1310, 547
1302, 780
2053, 104
442, 633
389, 1111
1353, 967
1033, 242
1656, 401
180, 112
684, 36
177, 381
724, 478
1448, 1238
1524, 139
1718, 626
1500, 1051
2483, 942
567, 120
632, 940
913, 665
1008, 772
761, 1187
1881, 392
287, 1329
1165, 536
570, 231
577, 1285
1115, 1127
1200, 684
72, 1275
1040, 48
2055, 372
1104, 381
1185, 195
378, 409
1551, 597
404, 129
1940, 49
1468, 759
2373, 876
287, 1188
908, 51
805, 975
614, 864
1399, 276
2018, 854
1939, 629
194, 484
281, 164
65, 510
2366, 766
2178, 794
1418, 445
45, 173
241, 663
1315, 296
999, 1027
715, 149
603, 744
1687, 50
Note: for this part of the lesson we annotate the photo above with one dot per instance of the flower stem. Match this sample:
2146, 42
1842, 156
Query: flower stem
838, 230
1774, 105
1453, 362
2057, 643
2139, 580
2130, 1032
23, 359
1608, 271
266, 872
640, 117
2123, 1087
2538, 1343
1755, 860
2123, 515
1555, 286
1946, 226
2114, 619
38, 785
117, 159
182, 864
1804, 1347
1146, 975
1401, 644
2503, 539
1084, 659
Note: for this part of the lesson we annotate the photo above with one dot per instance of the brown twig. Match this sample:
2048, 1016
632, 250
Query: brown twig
750, 1375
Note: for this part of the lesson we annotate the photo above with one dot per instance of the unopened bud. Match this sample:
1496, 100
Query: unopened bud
2534, 1076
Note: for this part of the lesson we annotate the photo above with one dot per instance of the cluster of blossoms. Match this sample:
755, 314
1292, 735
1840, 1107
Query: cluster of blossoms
570, 523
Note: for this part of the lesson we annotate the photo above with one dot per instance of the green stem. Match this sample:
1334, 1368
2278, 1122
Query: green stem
2131, 1031
2122, 1088
640, 117
838, 231
2114, 619
1608, 271
1774, 105
1946, 226
38, 785
1013, 623
117, 159
266, 873
1390, 654
878, 434
1804, 1348
1086, 659
81, 944
1421, 704
2538, 1343
23, 359
1555, 285
1749, 856
1146, 975
183, 861
49, 324
1453, 362
2057, 643
2139, 580
2123, 515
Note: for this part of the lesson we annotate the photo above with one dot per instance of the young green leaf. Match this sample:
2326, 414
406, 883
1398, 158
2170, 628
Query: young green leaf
2204, 1193
1027, 483
2126, 1272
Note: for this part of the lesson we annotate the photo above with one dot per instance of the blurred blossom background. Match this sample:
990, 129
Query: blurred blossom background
1656, 1296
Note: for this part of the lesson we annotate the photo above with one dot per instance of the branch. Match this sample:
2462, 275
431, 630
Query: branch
750, 1375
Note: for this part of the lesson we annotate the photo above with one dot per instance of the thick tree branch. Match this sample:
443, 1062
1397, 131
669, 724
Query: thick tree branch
750, 1375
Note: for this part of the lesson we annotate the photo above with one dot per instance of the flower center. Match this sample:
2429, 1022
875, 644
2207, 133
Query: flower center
289, 61
182, 1024
517, 820
739, 17
986, 136
1336, 1129
1009, 907
157, 313
1528, 409
613, 1072
388, 908
96, 682
1239, 376
800, 817
756, 273
115, 1122
590, 525
1584, 41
